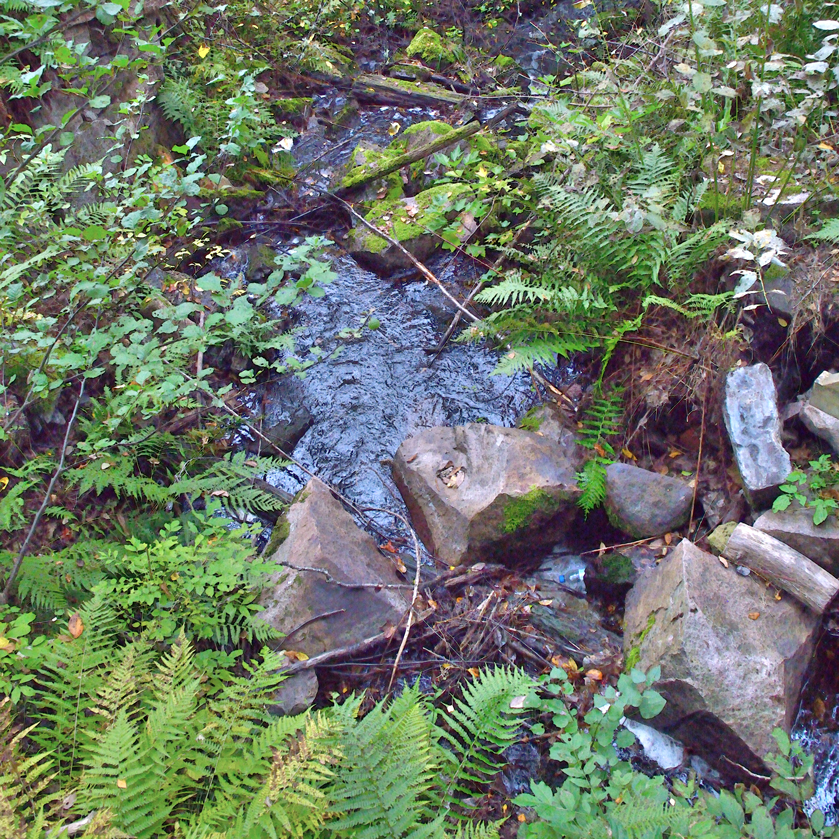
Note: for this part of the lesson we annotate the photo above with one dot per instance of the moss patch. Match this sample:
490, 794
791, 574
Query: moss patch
278, 535
617, 569
634, 654
519, 511
531, 421
406, 219
432, 48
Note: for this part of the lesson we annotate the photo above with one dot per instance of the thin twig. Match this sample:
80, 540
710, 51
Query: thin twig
6, 593
331, 579
422, 268
312, 620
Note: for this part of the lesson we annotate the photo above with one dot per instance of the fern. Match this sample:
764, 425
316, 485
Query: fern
829, 231
601, 422
479, 727
181, 103
24, 803
396, 745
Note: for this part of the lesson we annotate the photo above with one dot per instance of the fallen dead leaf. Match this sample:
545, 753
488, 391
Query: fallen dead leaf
517, 702
753, 616
594, 674
473, 671
121, 783
668, 538
75, 626
723, 560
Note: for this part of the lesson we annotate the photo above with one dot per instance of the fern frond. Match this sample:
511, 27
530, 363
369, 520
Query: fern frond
24, 807
602, 420
829, 231
181, 103
479, 727
390, 760
592, 482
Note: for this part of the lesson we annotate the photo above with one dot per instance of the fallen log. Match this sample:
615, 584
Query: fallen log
786, 568
382, 90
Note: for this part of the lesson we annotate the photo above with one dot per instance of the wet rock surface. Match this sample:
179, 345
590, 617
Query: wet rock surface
732, 658
642, 503
482, 492
754, 428
320, 610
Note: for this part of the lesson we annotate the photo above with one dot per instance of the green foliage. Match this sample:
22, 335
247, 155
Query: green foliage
811, 489
601, 795
144, 737
601, 423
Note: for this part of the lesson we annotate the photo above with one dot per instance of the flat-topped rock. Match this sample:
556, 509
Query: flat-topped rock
484, 493
825, 393
751, 416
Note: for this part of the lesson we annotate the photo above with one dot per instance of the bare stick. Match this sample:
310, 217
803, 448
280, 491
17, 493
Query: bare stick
782, 566
6, 593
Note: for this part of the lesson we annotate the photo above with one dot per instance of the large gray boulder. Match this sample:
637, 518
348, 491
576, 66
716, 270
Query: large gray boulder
754, 427
481, 492
732, 657
318, 609
642, 503
796, 529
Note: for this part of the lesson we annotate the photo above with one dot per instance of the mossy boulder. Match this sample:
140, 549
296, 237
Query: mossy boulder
411, 222
435, 50
480, 492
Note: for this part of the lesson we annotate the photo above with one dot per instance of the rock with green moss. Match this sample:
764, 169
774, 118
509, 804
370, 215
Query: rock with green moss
409, 221
435, 50
365, 159
483, 493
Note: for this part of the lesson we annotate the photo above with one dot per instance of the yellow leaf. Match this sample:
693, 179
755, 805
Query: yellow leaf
783, 322
825, 146
628, 454
121, 783
203, 51
473, 671
394, 129
4, 482
4, 642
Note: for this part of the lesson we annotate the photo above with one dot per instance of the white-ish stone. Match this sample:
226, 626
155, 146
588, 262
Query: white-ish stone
658, 747
754, 428
825, 393
822, 424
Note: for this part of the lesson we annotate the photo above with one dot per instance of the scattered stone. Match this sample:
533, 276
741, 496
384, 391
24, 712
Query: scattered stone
754, 427
720, 536
795, 528
825, 393
295, 694
313, 612
642, 503
484, 493
732, 657
821, 424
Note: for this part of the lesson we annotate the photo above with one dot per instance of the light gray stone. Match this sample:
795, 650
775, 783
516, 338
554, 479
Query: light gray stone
642, 503
484, 493
732, 657
822, 424
825, 393
322, 535
796, 529
754, 428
